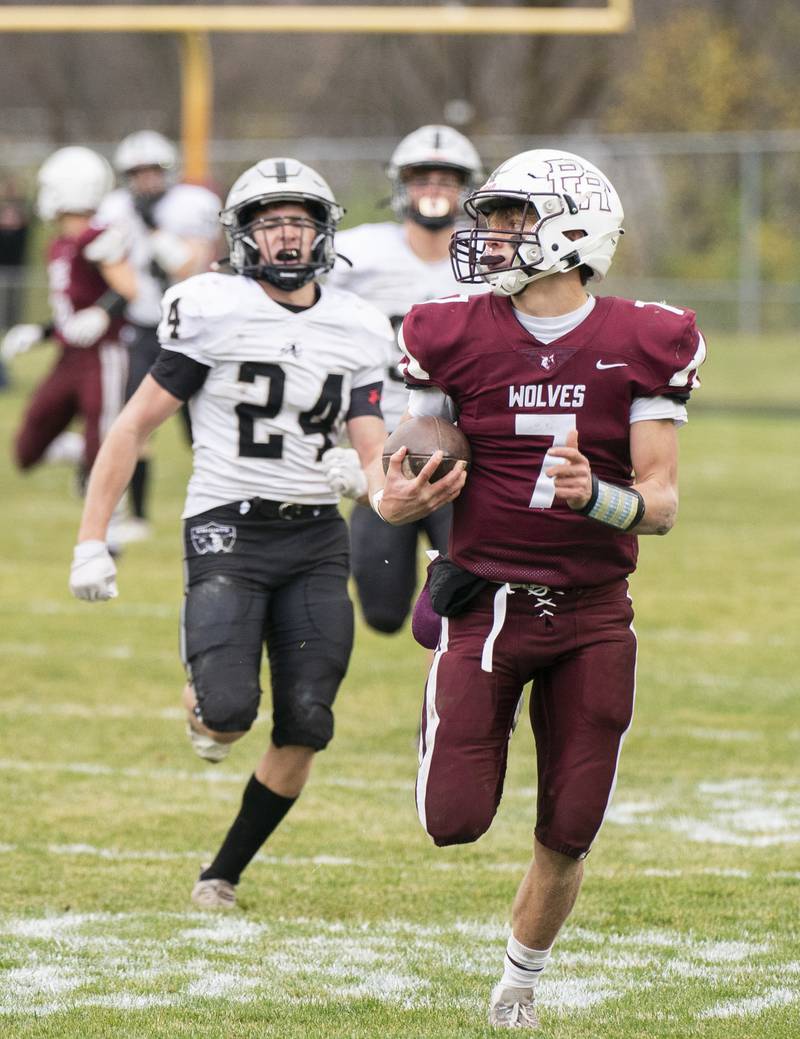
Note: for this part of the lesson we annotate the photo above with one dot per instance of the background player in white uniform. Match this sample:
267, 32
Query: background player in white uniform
394, 266
275, 370
174, 232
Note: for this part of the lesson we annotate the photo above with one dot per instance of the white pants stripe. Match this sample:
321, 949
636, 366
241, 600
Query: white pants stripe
431, 725
500, 597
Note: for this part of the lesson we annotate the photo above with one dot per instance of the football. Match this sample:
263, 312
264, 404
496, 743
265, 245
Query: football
423, 436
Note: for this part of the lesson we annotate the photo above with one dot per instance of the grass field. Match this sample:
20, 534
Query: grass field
350, 923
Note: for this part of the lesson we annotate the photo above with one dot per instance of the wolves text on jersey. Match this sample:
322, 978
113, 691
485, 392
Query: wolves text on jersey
543, 395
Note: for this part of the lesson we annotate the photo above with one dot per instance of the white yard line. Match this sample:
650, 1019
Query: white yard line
336, 861
754, 1005
37, 650
68, 962
210, 775
122, 607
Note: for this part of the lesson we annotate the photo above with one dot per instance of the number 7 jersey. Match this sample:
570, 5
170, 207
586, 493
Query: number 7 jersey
278, 389
516, 397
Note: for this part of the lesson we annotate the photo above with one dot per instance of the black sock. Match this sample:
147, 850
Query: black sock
259, 815
139, 482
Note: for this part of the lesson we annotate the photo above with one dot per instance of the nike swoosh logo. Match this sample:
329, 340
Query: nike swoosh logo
602, 366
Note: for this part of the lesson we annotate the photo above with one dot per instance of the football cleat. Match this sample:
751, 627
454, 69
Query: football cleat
213, 894
512, 1008
206, 748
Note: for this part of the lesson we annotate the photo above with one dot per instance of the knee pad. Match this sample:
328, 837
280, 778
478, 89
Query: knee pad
223, 653
467, 832
386, 621
459, 823
304, 719
227, 696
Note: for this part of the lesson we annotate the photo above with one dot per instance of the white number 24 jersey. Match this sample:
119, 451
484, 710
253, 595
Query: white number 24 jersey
278, 389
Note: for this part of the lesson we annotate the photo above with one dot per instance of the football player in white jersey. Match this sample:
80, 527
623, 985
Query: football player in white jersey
395, 265
174, 233
275, 370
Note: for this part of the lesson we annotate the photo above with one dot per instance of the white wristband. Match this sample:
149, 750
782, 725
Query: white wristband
375, 502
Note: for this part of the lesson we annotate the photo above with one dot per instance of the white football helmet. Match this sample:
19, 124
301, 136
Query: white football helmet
72, 180
551, 193
432, 147
272, 181
145, 148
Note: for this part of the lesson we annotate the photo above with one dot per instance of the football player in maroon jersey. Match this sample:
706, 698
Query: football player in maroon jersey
571, 404
90, 282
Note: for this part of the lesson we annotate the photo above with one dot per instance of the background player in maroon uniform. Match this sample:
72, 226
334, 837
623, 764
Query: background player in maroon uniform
90, 281
571, 406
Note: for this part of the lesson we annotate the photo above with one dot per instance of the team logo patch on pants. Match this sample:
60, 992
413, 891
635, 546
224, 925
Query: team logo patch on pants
213, 537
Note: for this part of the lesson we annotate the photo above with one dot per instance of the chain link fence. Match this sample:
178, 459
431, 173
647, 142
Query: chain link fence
711, 219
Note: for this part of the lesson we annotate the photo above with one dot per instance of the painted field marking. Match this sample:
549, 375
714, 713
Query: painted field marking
63, 962
90, 768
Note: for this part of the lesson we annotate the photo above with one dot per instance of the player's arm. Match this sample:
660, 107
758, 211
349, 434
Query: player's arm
649, 506
108, 252
654, 456
93, 573
148, 408
120, 278
367, 434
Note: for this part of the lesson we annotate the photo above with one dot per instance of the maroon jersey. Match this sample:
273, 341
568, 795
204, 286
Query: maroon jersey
75, 282
517, 397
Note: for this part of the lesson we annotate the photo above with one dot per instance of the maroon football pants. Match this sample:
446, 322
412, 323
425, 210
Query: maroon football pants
579, 650
88, 383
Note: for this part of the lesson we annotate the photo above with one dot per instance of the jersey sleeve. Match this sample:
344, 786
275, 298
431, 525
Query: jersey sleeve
110, 245
671, 350
427, 333
196, 315
365, 400
178, 374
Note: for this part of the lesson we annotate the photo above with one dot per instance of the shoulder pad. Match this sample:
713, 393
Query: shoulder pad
109, 245
669, 345
198, 313
210, 295
373, 320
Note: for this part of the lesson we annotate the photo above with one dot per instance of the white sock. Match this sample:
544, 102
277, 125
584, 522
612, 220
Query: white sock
522, 967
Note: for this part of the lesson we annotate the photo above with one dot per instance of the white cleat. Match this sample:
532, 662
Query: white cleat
214, 894
206, 748
512, 1008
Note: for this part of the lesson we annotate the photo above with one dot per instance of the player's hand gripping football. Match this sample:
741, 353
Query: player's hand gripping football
93, 576
572, 474
344, 473
405, 501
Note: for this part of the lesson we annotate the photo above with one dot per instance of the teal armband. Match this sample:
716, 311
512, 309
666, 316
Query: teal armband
618, 507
